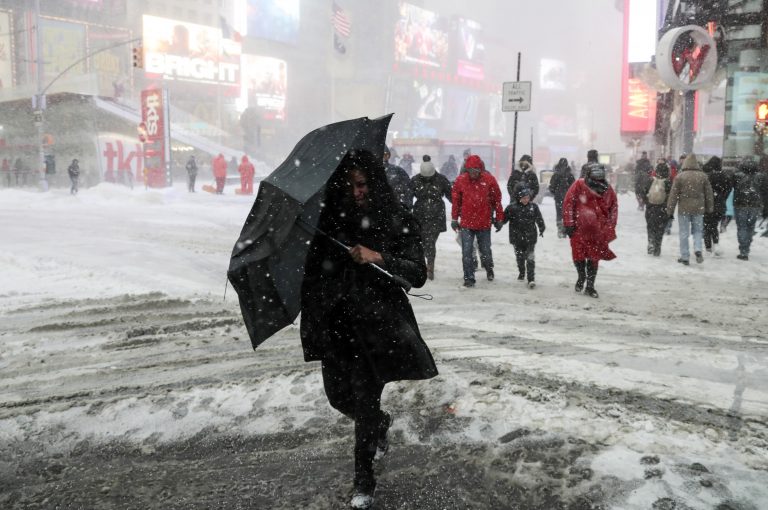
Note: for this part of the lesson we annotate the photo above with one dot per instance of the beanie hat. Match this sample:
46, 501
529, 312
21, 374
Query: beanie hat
691, 163
662, 170
474, 161
427, 169
597, 172
522, 191
426, 157
592, 154
526, 157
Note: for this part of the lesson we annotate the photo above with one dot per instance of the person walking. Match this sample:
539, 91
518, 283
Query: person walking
429, 188
592, 159
749, 188
590, 213
357, 323
6, 172
220, 173
722, 184
247, 171
18, 169
450, 169
561, 180
399, 180
643, 170
525, 176
191, 173
524, 216
74, 176
406, 163
474, 200
692, 194
654, 198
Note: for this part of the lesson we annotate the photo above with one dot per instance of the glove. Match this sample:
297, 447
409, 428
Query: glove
455, 225
569, 230
541, 233
499, 225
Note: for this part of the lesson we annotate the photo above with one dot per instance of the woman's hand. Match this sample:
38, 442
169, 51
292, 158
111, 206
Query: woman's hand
363, 255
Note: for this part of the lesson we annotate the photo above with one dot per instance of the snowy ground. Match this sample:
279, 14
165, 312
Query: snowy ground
129, 382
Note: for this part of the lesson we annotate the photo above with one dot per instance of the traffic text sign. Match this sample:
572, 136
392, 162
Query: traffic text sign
516, 96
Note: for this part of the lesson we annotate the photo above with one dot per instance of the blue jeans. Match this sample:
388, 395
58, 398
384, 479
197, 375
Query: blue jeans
690, 224
484, 245
746, 217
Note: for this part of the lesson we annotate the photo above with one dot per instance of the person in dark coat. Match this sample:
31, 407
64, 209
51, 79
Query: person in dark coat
643, 170
191, 173
406, 163
74, 176
722, 184
749, 188
654, 198
399, 180
525, 176
450, 169
590, 213
524, 217
592, 160
561, 180
429, 188
355, 320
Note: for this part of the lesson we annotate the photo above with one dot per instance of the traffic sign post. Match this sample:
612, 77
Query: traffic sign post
516, 96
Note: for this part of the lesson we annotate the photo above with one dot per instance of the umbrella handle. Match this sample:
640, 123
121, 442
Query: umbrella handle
405, 284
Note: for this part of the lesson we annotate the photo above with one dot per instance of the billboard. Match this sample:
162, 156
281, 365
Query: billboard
112, 67
638, 100
552, 74
420, 37
118, 156
62, 43
461, 110
186, 52
154, 104
276, 20
265, 83
470, 52
6, 53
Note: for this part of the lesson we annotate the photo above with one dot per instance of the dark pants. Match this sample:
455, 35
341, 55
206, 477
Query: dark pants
559, 215
220, 184
191, 182
746, 218
711, 229
354, 390
526, 259
429, 239
656, 223
73, 188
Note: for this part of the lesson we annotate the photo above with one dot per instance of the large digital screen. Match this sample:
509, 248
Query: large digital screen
265, 82
112, 67
176, 50
62, 44
6, 56
276, 20
638, 100
470, 51
461, 110
420, 37
552, 75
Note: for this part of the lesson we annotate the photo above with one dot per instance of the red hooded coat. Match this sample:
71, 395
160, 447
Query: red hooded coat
219, 166
594, 217
476, 201
246, 168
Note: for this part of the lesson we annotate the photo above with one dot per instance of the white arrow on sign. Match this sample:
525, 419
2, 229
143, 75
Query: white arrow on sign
516, 96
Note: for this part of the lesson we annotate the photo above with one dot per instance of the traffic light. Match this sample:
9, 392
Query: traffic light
138, 57
761, 111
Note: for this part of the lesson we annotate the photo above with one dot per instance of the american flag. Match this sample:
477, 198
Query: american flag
341, 22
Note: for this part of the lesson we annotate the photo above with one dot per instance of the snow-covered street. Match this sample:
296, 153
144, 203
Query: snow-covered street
128, 380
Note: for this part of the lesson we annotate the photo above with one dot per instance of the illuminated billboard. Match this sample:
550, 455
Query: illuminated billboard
470, 51
6, 55
638, 100
112, 67
276, 20
552, 74
62, 44
420, 37
265, 82
180, 51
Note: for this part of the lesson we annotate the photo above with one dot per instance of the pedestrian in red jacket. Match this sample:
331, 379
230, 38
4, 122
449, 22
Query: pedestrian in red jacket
590, 212
475, 198
220, 172
246, 176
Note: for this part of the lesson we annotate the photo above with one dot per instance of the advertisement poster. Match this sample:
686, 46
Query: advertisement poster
63, 43
470, 54
153, 121
276, 20
461, 110
265, 81
6, 55
421, 37
112, 67
186, 52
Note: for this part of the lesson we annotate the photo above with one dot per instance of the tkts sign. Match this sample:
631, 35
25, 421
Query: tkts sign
153, 116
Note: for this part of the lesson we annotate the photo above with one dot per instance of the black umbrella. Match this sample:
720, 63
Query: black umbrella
267, 264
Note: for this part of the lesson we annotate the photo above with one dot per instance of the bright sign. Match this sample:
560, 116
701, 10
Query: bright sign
153, 117
638, 100
687, 58
265, 81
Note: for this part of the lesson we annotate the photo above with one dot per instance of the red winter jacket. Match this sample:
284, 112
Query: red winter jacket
594, 217
246, 168
219, 167
476, 201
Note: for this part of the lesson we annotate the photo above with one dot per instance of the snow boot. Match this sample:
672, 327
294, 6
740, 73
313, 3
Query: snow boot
742, 256
361, 499
560, 230
699, 257
489, 274
531, 284
581, 269
521, 276
683, 261
382, 443
591, 276
716, 250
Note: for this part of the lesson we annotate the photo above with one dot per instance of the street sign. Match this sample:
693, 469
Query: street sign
516, 96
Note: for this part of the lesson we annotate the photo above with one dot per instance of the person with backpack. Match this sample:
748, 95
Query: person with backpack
524, 217
655, 199
749, 188
722, 185
561, 181
691, 193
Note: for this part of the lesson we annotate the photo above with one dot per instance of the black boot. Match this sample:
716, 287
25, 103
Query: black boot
581, 269
591, 275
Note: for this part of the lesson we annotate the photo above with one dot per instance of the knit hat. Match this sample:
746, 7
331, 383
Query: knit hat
522, 191
427, 169
474, 161
691, 163
526, 157
426, 157
592, 154
597, 172
662, 170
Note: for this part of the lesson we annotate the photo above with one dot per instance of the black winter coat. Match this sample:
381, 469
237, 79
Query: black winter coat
749, 188
519, 178
400, 182
336, 288
74, 171
560, 182
429, 207
722, 184
523, 220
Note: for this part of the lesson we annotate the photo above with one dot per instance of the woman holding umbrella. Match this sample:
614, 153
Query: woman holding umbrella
355, 320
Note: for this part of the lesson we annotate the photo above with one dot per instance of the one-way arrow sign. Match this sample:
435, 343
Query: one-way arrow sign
516, 96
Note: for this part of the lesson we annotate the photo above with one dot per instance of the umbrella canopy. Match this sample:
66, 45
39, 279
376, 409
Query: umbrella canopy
266, 268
